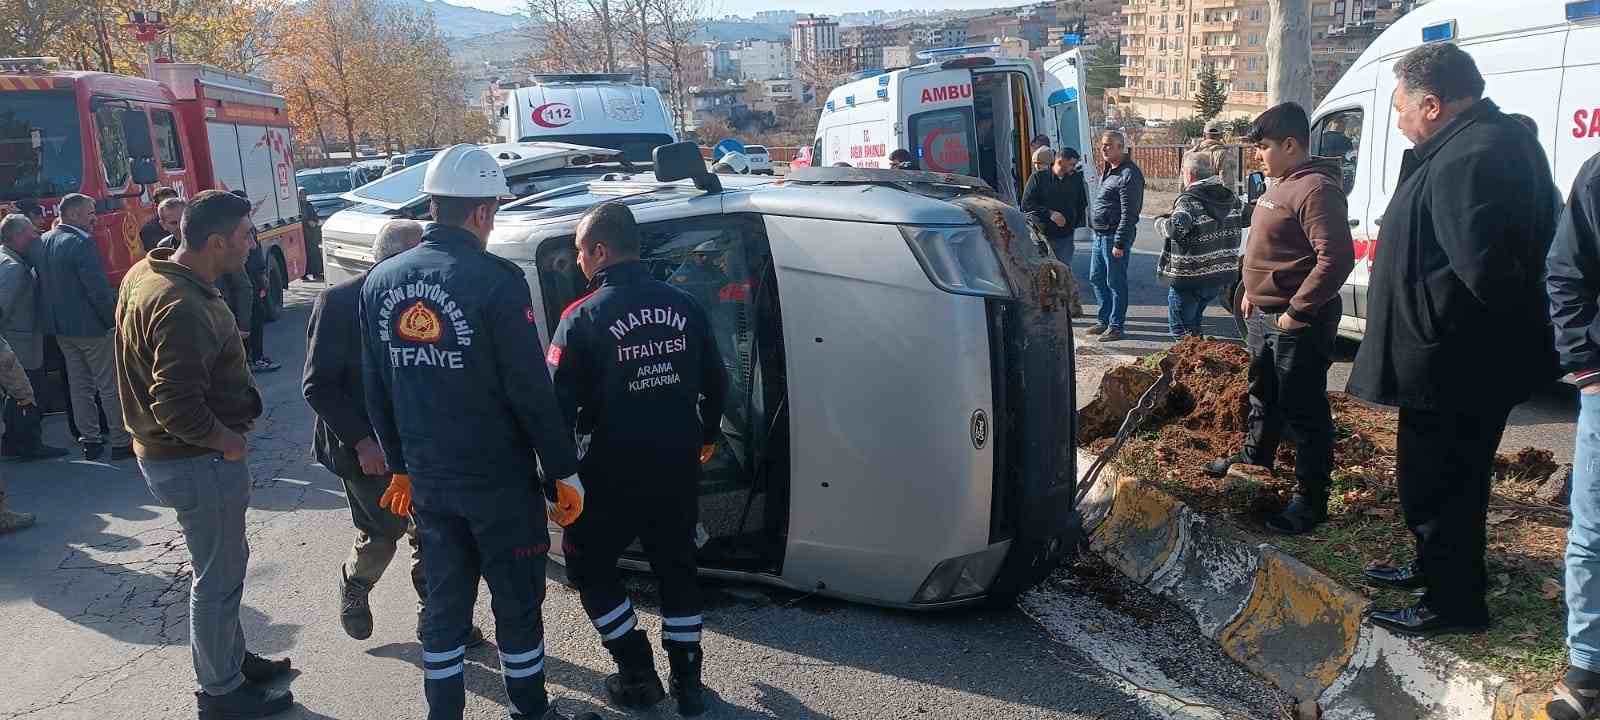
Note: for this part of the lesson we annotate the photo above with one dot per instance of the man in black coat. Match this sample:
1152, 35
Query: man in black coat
345, 443
1458, 330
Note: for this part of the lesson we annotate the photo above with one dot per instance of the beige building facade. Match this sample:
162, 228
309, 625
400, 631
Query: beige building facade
1166, 44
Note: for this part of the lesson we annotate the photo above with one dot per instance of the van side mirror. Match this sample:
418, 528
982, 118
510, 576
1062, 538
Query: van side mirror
1255, 186
682, 161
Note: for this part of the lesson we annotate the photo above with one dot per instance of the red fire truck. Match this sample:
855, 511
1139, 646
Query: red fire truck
117, 138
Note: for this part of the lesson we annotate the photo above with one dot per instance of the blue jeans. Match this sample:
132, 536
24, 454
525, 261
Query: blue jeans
1186, 307
1108, 275
1583, 541
1063, 248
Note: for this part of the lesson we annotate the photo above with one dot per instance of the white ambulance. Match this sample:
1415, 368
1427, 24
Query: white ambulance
1539, 58
595, 109
964, 110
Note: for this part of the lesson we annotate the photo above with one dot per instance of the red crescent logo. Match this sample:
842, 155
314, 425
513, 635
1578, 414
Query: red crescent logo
930, 159
552, 115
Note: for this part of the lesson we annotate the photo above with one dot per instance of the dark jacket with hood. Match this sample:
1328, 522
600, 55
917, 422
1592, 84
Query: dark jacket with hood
1573, 278
1457, 313
1300, 250
1202, 236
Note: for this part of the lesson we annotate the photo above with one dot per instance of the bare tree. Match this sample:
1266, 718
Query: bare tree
677, 22
1289, 75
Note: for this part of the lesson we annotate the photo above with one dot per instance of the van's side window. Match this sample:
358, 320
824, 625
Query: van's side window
1338, 135
943, 141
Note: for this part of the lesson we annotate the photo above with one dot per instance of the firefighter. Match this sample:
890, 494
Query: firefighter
639, 376
461, 417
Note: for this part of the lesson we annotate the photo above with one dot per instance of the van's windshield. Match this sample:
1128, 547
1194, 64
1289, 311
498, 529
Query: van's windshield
636, 147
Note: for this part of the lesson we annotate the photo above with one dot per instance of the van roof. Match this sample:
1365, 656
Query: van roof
1474, 20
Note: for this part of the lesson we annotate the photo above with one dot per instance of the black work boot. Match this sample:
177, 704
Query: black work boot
1220, 466
354, 612
635, 685
1304, 514
258, 669
686, 688
247, 701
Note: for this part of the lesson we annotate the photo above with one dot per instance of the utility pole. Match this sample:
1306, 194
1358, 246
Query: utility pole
1289, 76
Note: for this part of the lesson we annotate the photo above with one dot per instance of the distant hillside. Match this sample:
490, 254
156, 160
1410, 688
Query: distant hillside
496, 47
456, 21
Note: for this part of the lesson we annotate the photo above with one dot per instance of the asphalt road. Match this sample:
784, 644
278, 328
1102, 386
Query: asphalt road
1548, 420
94, 605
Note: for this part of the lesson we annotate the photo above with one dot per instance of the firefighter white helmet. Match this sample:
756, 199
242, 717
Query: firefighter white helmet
465, 171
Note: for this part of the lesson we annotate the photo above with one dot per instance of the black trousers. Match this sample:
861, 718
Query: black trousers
665, 526
1289, 390
1444, 460
497, 535
24, 427
254, 345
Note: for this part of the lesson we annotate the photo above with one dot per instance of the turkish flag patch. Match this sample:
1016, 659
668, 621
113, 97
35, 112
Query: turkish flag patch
527, 312
553, 357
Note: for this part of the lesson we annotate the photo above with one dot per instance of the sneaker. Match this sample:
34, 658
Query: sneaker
1096, 329
93, 450
1112, 335
1302, 515
248, 701
355, 614
265, 365
122, 453
258, 669
13, 521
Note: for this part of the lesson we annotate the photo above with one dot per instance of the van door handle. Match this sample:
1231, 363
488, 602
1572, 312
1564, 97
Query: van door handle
1355, 223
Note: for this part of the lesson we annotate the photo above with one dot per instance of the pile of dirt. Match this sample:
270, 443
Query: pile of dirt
1203, 416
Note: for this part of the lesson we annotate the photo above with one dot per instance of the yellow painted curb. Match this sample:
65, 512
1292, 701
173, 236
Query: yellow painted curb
1524, 706
1141, 533
1299, 627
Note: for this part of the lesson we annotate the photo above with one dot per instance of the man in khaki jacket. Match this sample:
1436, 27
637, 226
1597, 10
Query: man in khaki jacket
188, 398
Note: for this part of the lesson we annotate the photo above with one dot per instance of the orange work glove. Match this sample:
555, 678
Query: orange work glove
569, 501
397, 499
706, 451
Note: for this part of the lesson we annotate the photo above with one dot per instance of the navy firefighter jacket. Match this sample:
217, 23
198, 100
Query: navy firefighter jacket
640, 378
450, 357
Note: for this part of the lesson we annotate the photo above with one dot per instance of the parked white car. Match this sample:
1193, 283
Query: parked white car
760, 159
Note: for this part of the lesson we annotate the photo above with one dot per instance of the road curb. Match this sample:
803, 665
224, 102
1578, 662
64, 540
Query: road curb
1285, 621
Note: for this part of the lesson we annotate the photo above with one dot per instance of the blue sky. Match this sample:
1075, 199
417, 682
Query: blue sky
749, 7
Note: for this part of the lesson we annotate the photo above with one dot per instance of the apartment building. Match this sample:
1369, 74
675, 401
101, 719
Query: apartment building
863, 45
1342, 29
764, 60
812, 37
1166, 44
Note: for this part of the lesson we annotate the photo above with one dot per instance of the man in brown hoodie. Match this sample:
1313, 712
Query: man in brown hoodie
188, 398
1297, 256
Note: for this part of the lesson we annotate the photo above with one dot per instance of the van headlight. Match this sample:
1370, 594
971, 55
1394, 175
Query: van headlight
959, 260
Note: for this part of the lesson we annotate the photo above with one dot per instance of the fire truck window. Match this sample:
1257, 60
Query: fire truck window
41, 150
168, 148
942, 140
113, 145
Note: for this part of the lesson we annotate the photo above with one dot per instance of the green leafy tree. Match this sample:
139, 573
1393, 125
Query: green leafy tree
1209, 96
1105, 68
